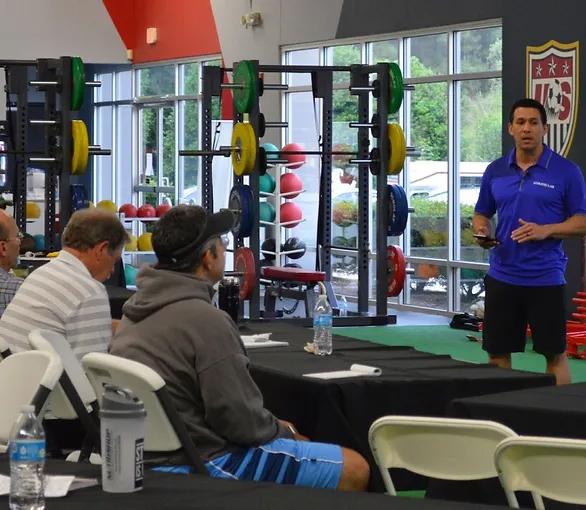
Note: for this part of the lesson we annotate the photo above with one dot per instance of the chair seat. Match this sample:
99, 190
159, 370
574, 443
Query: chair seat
293, 274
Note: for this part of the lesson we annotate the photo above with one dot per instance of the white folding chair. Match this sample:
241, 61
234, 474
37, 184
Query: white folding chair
25, 378
165, 431
545, 466
74, 396
443, 448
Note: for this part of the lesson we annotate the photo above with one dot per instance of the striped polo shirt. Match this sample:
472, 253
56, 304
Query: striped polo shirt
60, 296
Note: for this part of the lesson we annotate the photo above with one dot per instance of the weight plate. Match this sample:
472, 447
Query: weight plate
240, 203
396, 270
244, 139
375, 129
262, 161
77, 83
396, 85
262, 125
398, 210
80, 147
244, 263
398, 149
244, 75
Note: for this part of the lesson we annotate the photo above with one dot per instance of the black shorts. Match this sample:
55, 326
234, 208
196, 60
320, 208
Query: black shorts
509, 308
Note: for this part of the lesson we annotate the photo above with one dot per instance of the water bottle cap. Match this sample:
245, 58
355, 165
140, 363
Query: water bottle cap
120, 403
27, 408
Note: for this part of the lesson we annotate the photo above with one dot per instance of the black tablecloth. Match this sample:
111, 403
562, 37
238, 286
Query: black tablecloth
557, 411
341, 411
165, 491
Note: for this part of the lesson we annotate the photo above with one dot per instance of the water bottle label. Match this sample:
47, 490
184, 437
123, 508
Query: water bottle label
27, 450
324, 321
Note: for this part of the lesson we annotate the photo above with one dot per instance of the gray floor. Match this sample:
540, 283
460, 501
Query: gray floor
410, 318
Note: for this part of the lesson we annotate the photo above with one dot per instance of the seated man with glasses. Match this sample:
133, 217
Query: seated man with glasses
171, 326
10, 238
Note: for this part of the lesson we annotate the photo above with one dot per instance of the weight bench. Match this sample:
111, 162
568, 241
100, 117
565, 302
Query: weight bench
280, 279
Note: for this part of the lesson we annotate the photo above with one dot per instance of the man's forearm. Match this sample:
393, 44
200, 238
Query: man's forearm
572, 227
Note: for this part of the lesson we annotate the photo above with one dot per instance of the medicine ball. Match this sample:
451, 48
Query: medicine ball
294, 243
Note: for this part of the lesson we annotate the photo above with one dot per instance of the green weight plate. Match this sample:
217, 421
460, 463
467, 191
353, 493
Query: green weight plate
244, 75
77, 83
396, 92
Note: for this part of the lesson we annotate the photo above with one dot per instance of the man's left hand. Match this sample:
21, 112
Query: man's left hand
529, 232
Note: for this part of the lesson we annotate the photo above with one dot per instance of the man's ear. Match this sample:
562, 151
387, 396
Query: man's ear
101, 248
2, 248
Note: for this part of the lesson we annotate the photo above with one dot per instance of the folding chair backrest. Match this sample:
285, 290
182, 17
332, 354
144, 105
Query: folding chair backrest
25, 378
59, 402
545, 466
165, 432
444, 448
144, 382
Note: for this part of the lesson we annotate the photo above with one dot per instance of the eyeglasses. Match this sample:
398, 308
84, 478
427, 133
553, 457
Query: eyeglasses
19, 237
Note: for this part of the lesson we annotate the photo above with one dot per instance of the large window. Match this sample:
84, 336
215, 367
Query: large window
147, 115
453, 117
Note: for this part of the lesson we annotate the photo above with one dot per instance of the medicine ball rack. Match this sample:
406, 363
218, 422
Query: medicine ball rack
322, 88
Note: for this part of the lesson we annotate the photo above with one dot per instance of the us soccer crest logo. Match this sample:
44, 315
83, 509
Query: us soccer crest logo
552, 79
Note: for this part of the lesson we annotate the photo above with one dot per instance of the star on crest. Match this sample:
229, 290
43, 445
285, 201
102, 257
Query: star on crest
566, 68
552, 65
538, 69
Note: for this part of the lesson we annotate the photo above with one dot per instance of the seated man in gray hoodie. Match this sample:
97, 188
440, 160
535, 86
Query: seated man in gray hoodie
171, 326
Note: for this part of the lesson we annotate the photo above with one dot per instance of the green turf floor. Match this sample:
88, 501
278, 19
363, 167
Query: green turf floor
445, 340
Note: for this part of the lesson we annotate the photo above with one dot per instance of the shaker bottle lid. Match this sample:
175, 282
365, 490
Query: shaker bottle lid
120, 403
27, 408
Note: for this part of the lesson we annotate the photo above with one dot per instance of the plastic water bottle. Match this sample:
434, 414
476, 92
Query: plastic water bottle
322, 326
27, 459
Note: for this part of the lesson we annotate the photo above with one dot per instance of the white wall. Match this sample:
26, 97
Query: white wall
285, 22
31, 29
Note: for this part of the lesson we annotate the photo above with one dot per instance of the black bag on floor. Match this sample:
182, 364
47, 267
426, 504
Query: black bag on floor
465, 321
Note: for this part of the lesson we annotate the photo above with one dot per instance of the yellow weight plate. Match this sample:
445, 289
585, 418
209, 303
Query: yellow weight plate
244, 148
80, 147
398, 148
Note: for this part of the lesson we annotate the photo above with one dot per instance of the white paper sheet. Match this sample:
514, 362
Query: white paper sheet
356, 370
55, 486
261, 340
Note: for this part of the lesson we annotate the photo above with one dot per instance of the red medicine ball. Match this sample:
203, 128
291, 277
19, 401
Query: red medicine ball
294, 160
290, 211
290, 183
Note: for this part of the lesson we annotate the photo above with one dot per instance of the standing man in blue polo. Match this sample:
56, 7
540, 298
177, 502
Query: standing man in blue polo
539, 198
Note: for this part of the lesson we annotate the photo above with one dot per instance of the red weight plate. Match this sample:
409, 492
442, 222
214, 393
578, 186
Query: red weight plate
396, 270
244, 263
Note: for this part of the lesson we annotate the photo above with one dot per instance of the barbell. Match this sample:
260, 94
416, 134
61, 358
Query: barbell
80, 148
78, 83
243, 152
245, 269
240, 203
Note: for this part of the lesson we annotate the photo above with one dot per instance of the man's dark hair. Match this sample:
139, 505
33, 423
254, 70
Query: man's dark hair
89, 227
527, 102
178, 228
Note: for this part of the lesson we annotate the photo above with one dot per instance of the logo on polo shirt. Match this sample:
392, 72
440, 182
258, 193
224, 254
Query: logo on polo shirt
544, 184
552, 79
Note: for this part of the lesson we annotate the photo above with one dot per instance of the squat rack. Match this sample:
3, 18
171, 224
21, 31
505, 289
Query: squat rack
322, 87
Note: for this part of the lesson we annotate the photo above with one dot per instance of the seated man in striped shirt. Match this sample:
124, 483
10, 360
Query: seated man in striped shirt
10, 238
67, 295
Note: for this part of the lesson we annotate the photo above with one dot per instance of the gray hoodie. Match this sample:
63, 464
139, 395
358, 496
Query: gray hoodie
171, 326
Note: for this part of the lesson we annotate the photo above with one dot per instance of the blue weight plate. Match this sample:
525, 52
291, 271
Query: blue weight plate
404, 209
240, 199
398, 208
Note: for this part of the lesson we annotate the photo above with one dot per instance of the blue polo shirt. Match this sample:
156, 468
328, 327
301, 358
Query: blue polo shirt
550, 191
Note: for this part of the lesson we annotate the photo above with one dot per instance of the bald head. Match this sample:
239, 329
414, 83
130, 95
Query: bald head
89, 227
8, 226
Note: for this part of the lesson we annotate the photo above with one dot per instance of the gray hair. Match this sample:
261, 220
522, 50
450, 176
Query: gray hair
89, 227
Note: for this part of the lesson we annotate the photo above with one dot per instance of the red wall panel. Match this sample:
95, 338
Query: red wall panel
185, 28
